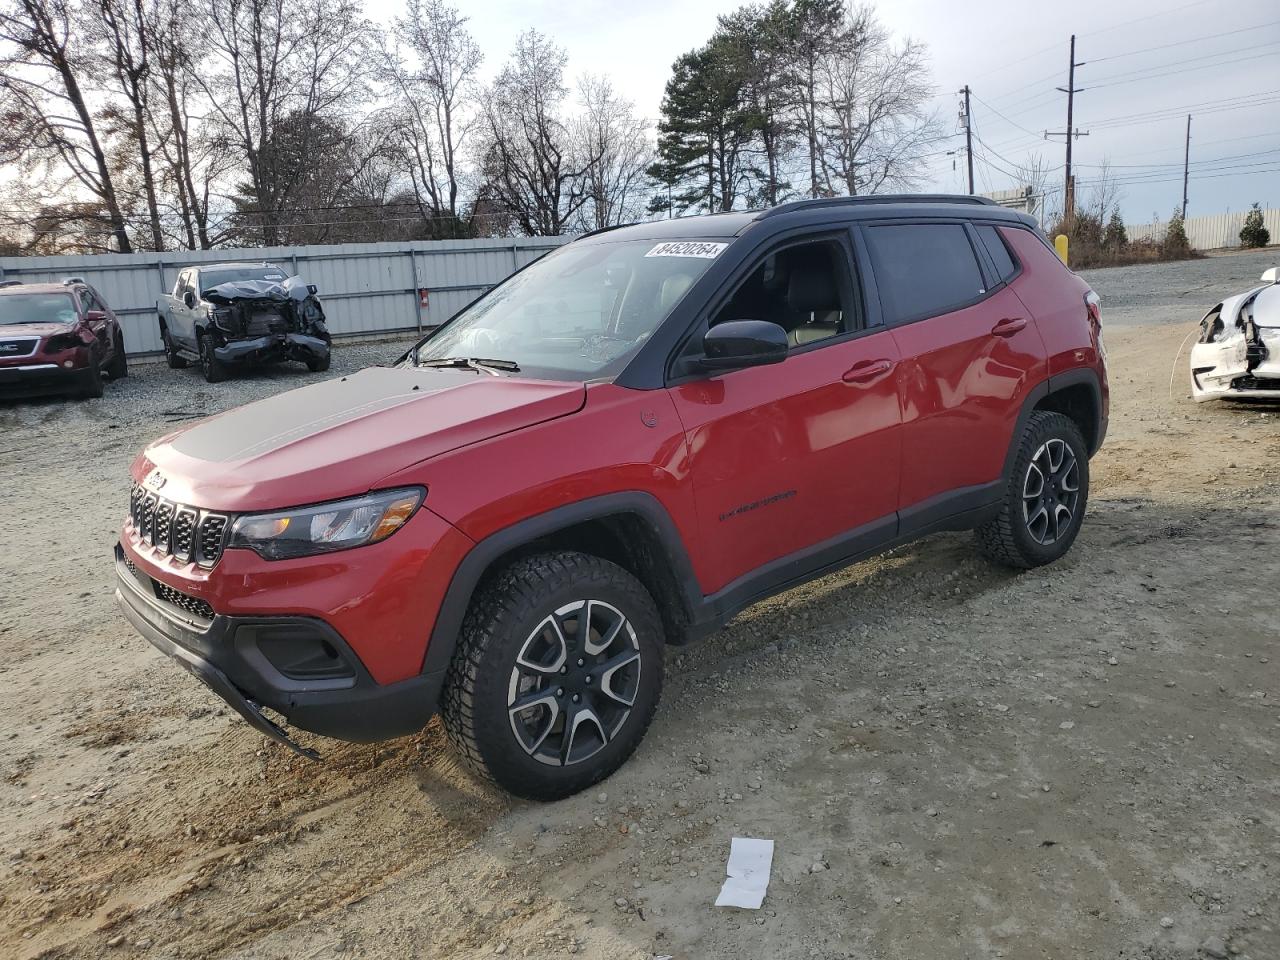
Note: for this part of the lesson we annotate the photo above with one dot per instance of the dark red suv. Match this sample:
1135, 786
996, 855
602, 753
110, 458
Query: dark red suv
618, 448
58, 338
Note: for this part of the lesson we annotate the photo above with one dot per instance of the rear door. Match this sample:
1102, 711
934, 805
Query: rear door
787, 458
969, 355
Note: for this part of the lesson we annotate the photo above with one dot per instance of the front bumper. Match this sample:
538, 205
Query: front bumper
273, 346
239, 658
38, 376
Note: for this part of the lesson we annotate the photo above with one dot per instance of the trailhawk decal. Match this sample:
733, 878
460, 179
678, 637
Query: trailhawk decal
688, 248
757, 504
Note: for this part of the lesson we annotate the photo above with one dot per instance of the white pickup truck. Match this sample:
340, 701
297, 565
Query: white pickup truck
226, 314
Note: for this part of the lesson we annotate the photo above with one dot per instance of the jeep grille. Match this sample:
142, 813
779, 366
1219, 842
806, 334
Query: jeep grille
176, 530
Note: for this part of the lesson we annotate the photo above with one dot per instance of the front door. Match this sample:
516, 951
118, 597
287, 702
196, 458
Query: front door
788, 459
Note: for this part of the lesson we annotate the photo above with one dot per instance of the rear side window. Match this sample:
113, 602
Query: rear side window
924, 269
1000, 256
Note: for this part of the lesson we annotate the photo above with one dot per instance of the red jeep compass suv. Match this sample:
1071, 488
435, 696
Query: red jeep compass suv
619, 447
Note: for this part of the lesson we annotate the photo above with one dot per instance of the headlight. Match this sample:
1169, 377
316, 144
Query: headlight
326, 527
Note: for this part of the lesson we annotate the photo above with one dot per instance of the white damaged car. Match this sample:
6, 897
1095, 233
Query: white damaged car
1238, 354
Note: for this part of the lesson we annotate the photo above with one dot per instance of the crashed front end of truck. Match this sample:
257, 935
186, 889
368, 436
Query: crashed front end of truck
1238, 353
262, 321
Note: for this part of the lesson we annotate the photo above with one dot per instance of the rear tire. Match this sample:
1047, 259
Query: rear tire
214, 370
118, 369
589, 701
319, 366
1046, 497
171, 356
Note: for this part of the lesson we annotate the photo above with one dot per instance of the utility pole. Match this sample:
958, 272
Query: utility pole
968, 136
1186, 163
1069, 186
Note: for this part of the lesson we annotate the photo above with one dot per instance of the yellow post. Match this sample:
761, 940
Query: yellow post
1060, 244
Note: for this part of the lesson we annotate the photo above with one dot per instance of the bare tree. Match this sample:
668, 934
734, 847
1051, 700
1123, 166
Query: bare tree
46, 109
873, 127
123, 25
618, 141
1033, 173
435, 104
1105, 192
531, 167
276, 61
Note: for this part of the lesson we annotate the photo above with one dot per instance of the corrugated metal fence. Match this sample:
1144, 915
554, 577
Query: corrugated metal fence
365, 287
1209, 233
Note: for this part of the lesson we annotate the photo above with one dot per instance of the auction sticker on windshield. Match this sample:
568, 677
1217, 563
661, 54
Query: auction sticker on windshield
688, 248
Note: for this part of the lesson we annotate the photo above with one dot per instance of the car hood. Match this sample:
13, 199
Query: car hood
341, 437
33, 329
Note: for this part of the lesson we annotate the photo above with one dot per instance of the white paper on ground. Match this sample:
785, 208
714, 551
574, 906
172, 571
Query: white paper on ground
750, 861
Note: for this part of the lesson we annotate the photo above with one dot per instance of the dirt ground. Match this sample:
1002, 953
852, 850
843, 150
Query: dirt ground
955, 761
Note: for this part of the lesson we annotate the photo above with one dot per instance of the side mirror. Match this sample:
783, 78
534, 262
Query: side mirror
743, 343
95, 316
1271, 275
312, 289
189, 298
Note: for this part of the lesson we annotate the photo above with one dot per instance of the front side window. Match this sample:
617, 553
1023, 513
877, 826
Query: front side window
802, 288
579, 313
18, 308
924, 269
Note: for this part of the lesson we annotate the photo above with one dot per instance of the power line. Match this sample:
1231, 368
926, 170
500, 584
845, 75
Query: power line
1180, 69
1183, 43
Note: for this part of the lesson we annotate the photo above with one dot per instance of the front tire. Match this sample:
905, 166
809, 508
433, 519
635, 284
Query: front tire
213, 369
1045, 500
319, 365
91, 381
119, 367
557, 674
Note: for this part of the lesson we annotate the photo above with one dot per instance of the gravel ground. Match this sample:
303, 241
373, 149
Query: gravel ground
955, 761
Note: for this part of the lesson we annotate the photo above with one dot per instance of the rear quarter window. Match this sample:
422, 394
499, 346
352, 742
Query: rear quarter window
924, 269
1000, 256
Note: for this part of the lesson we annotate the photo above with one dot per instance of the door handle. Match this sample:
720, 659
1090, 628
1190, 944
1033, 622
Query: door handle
867, 370
1008, 326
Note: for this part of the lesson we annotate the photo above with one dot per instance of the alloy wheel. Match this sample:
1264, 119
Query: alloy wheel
574, 683
1051, 491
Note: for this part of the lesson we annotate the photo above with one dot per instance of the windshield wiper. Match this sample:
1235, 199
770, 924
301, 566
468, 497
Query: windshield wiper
479, 364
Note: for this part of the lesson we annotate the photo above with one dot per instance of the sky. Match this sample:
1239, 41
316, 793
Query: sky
1218, 60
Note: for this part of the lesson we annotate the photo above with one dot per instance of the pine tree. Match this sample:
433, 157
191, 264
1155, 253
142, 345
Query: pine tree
1176, 246
1253, 233
1115, 238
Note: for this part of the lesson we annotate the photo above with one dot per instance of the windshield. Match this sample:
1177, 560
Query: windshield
37, 308
212, 278
579, 313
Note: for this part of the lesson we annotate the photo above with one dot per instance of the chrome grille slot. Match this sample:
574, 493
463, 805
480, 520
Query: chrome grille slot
146, 514
161, 523
184, 528
209, 547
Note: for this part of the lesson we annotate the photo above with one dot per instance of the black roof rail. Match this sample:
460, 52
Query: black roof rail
600, 230
935, 198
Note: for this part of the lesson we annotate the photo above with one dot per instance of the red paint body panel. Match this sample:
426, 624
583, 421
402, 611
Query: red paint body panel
785, 456
382, 598
344, 435
962, 389
604, 448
